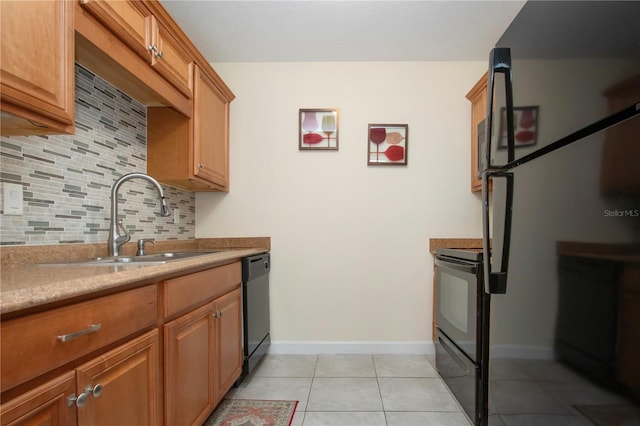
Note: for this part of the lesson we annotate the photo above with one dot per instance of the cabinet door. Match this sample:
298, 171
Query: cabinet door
620, 174
627, 368
228, 350
37, 71
127, 19
170, 59
478, 97
129, 377
188, 367
45, 405
210, 132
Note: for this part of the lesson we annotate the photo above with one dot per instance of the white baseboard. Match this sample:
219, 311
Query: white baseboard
322, 347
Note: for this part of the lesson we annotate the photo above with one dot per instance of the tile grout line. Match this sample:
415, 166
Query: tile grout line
310, 387
375, 369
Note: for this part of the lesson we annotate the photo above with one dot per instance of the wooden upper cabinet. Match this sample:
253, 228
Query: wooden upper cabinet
169, 58
620, 173
192, 153
140, 30
126, 18
211, 132
37, 67
478, 98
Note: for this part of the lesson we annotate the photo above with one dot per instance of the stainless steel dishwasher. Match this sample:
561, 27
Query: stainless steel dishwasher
255, 310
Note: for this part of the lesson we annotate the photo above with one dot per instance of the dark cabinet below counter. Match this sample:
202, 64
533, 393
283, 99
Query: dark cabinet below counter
598, 323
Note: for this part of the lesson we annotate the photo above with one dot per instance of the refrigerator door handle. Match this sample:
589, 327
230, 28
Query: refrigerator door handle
500, 62
495, 282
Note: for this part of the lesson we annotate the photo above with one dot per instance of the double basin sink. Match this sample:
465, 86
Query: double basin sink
146, 259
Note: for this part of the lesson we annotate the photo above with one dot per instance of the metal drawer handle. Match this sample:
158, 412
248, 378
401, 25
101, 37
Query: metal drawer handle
71, 336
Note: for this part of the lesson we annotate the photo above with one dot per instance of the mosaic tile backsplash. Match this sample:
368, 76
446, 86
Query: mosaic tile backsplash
67, 179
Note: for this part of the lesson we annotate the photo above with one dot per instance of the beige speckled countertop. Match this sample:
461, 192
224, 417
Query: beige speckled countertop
24, 284
458, 243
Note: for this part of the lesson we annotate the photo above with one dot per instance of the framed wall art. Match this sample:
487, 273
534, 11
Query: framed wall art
525, 127
318, 129
387, 144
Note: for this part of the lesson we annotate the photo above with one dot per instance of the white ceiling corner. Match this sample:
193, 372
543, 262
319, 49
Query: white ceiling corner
340, 30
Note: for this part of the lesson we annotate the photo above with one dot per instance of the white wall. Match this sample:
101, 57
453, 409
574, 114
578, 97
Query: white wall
349, 241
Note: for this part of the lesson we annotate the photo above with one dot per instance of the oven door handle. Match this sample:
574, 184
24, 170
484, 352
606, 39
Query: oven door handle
452, 264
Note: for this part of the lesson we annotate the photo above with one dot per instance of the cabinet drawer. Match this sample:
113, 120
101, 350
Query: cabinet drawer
192, 290
37, 343
170, 59
126, 19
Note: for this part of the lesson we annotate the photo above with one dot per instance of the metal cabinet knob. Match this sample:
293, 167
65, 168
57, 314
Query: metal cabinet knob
79, 401
95, 391
153, 48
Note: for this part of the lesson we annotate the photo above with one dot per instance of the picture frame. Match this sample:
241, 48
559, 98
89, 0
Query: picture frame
318, 129
525, 127
387, 144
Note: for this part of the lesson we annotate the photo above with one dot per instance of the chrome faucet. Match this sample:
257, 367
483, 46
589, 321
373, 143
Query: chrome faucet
117, 234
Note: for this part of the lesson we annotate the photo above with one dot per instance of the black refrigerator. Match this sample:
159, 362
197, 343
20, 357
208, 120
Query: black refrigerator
561, 216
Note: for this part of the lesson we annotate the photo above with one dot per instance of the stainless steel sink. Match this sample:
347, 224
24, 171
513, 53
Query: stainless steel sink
147, 259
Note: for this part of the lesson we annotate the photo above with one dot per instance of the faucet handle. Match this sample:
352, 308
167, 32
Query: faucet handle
141, 243
123, 235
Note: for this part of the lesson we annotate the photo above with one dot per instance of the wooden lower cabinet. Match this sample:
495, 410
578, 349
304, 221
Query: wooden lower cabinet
110, 373
202, 360
228, 342
123, 387
189, 367
627, 369
44, 405
120, 387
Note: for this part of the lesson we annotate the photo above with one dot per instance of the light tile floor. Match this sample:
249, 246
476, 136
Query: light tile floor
352, 390
406, 390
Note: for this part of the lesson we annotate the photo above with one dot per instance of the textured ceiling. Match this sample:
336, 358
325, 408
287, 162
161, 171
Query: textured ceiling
336, 30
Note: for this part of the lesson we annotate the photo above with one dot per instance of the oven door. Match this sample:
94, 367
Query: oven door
458, 304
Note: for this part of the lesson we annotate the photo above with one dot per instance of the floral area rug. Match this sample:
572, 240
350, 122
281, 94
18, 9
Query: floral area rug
251, 412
